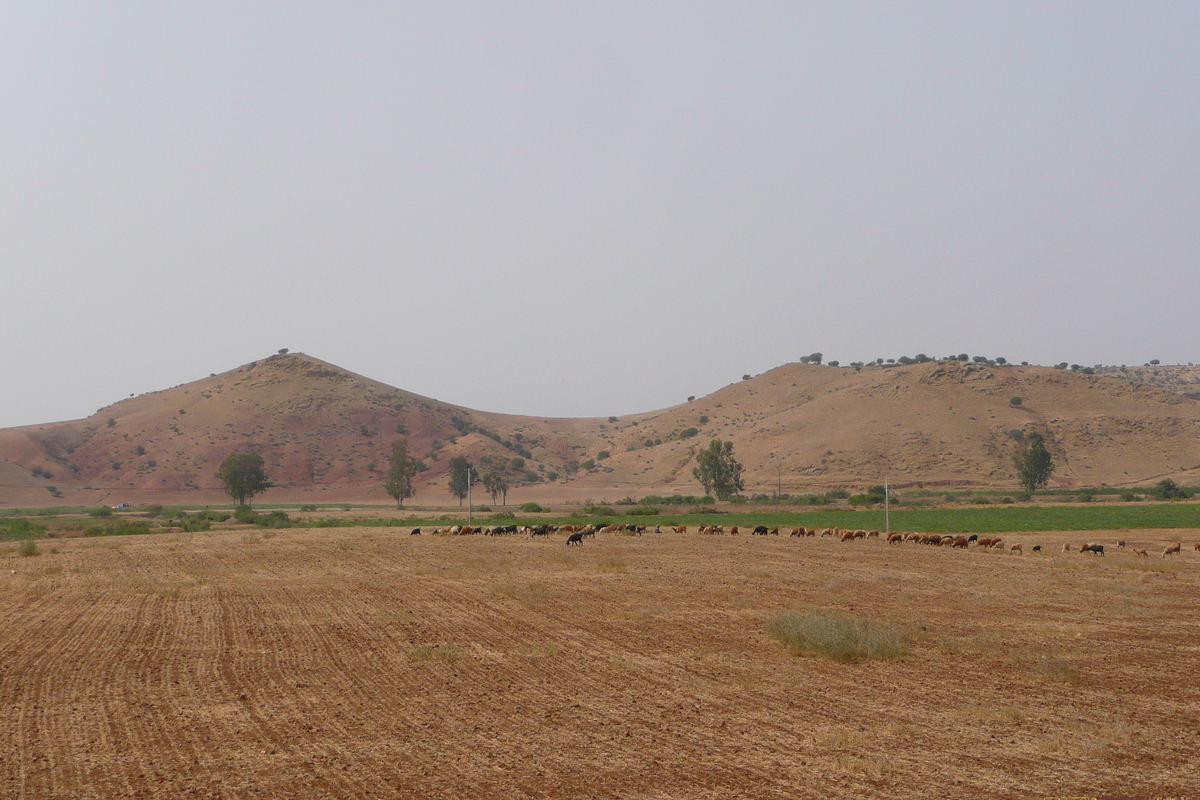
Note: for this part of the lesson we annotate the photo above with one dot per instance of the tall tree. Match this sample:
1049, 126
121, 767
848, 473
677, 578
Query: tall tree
1033, 462
496, 485
402, 468
462, 475
718, 471
243, 476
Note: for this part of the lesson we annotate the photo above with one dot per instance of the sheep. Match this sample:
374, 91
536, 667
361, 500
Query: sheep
895, 538
1098, 549
1037, 548
415, 532
733, 530
872, 534
1142, 553
575, 538
1067, 547
1172, 549
961, 541
1016, 548
847, 536
681, 528
1197, 546
1120, 542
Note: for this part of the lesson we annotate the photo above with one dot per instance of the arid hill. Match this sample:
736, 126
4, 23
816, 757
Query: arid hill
325, 433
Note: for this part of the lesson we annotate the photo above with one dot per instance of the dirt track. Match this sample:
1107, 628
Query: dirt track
367, 663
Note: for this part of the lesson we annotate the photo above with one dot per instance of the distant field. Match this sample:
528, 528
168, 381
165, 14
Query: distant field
364, 662
954, 519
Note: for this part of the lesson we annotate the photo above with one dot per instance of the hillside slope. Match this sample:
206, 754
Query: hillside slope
325, 433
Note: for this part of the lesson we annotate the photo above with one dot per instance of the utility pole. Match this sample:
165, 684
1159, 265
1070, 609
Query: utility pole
468, 495
887, 507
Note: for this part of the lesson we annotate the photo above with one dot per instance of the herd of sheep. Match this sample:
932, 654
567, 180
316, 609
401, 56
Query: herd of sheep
577, 533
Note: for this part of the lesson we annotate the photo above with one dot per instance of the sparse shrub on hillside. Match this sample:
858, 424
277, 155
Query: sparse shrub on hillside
102, 511
603, 454
517, 463
531, 508
703, 419
691, 397
627, 501
649, 443
612, 419
139, 451
688, 433
837, 494
835, 363
1006, 500
27, 548
981, 501
746, 377
1130, 497
53, 490
552, 476
116, 465
1015, 401
588, 465
111, 422
598, 511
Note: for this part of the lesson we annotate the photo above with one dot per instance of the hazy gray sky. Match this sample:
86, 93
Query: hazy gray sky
578, 209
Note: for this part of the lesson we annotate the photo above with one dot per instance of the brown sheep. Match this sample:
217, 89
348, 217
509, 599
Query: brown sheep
847, 536
1016, 548
1175, 548
1120, 542
1067, 547
1197, 546
681, 529
872, 534
945, 540
733, 530
984, 542
961, 541
895, 538
997, 544
1140, 553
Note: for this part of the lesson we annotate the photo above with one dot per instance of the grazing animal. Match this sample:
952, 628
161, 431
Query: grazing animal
1066, 547
1016, 548
848, 536
1172, 549
997, 543
575, 538
681, 528
733, 530
1140, 553
895, 538
1037, 548
961, 541
872, 534
415, 532
540, 530
974, 537
987, 542
774, 531
1098, 549
760, 530
1120, 542
1197, 546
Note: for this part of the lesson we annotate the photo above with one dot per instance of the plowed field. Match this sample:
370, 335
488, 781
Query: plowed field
368, 663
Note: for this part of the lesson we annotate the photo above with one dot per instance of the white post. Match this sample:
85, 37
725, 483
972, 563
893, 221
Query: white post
468, 495
887, 507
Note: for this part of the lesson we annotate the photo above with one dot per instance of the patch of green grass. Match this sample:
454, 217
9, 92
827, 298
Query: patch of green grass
838, 636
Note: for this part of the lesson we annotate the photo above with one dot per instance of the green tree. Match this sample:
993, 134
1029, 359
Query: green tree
1033, 462
718, 471
401, 469
496, 485
243, 476
462, 476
